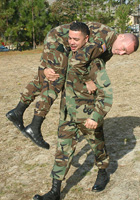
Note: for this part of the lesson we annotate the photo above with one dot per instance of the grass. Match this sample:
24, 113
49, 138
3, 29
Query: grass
25, 168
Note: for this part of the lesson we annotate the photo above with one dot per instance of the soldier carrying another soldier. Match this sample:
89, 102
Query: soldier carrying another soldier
81, 110
54, 61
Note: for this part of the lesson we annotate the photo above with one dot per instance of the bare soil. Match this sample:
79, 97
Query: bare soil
25, 168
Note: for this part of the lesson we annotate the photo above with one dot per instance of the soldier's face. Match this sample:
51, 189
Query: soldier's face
123, 45
76, 40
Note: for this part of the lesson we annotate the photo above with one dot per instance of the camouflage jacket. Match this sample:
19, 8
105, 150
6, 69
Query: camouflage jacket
82, 105
99, 45
82, 65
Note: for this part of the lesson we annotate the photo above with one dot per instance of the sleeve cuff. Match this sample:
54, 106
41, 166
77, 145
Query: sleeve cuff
96, 117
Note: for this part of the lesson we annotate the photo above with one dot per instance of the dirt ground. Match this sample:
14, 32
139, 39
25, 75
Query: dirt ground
25, 168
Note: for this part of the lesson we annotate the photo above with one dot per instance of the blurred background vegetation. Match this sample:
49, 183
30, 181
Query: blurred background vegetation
28, 21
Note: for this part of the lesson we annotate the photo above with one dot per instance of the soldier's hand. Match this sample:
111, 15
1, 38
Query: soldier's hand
50, 74
91, 87
91, 124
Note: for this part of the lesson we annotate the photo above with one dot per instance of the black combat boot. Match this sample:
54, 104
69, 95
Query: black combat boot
16, 116
101, 181
53, 194
33, 131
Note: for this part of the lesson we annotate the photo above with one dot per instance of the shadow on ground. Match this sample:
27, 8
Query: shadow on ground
120, 140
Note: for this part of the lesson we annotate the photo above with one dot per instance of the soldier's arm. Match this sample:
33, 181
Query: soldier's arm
104, 93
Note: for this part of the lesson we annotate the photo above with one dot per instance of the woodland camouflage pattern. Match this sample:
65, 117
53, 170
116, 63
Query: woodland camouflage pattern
77, 105
55, 56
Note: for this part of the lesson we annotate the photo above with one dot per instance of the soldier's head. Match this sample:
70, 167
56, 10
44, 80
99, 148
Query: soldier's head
125, 43
78, 35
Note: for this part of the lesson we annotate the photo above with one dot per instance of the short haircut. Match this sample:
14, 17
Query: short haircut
136, 42
80, 26
133, 38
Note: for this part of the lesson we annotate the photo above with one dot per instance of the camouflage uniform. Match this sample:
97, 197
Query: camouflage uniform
77, 104
55, 56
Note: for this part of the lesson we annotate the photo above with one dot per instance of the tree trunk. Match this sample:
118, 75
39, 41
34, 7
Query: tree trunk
34, 45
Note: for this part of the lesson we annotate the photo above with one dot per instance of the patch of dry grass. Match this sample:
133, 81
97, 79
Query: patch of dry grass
25, 168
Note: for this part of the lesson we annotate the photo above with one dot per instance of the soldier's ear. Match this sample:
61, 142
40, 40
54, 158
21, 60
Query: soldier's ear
86, 38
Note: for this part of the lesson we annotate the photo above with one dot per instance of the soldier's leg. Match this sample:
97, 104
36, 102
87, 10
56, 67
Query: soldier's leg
48, 95
67, 140
31, 91
97, 143
34, 87
58, 61
96, 140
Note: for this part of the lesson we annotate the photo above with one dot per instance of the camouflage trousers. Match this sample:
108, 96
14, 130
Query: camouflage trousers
47, 90
68, 135
55, 57
77, 105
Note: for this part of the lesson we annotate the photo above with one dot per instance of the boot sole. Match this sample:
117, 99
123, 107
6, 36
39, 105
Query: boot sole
41, 198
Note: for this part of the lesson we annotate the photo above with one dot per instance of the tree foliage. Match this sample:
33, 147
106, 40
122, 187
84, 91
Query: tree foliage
64, 11
122, 17
83, 10
30, 20
24, 20
33, 21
